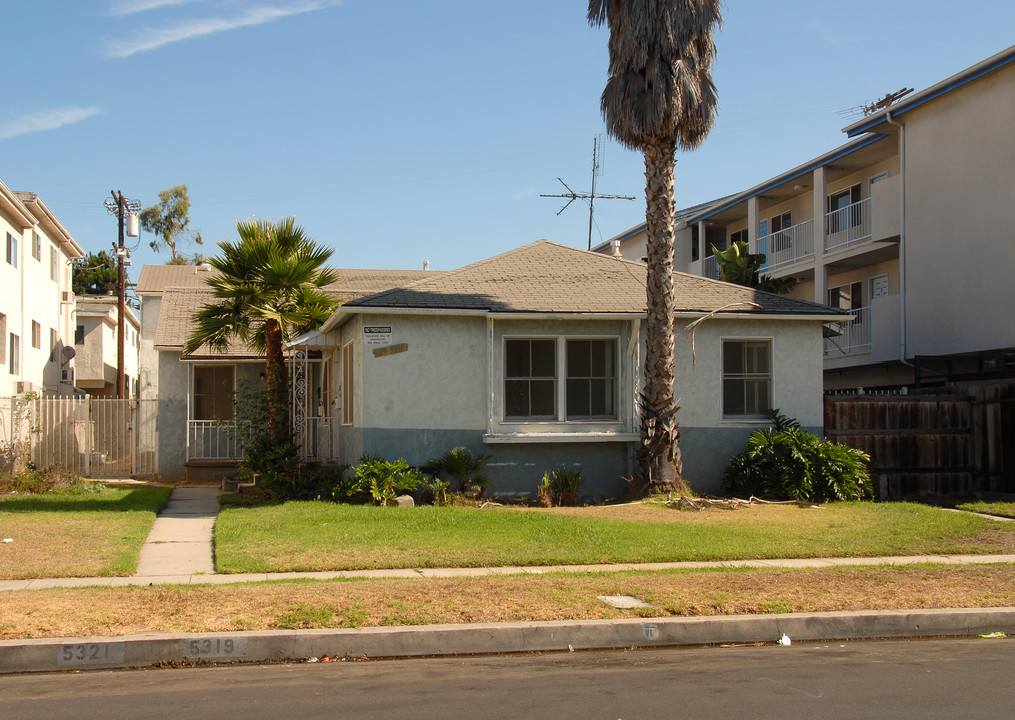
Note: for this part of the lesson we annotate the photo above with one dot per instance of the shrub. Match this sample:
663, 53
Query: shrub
460, 464
785, 462
376, 480
559, 487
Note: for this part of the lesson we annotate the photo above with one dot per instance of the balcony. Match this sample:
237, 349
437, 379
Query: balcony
854, 337
848, 226
710, 268
789, 246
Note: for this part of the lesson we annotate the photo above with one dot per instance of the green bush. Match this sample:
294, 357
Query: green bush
376, 480
559, 487
785, 462
461, 465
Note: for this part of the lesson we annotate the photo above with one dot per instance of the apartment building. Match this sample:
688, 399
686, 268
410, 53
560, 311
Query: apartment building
36, 298
905, 225
96, 344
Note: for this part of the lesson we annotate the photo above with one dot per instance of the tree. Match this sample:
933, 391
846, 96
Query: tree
268, 291
97, 276
169, 219
659, 97
740, 267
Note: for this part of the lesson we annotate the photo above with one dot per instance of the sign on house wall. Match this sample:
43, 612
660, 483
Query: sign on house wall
376, 335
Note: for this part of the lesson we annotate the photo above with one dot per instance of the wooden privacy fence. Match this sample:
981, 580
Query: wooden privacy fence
931, 444
94, 437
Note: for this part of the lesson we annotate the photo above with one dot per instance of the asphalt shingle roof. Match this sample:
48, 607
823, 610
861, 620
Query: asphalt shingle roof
545, 277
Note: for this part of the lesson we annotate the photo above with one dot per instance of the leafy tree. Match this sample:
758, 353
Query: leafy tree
268, 291
97, 276
168, 220
740, 267
659, 97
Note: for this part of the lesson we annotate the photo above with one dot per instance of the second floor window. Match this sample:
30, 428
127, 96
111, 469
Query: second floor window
12, 250
37, 246
36, 335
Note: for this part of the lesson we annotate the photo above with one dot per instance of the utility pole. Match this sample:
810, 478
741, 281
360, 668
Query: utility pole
120, 206
571, 195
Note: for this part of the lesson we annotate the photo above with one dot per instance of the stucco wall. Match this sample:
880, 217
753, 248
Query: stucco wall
960, 243
172, 421
707, 439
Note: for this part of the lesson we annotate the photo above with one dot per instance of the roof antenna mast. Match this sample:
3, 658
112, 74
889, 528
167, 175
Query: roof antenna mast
571, 195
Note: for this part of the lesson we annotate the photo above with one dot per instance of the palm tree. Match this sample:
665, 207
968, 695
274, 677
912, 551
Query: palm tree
659, 97
268, 291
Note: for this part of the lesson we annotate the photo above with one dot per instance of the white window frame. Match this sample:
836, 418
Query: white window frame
560, 381
37, 246
348, 383
752, 418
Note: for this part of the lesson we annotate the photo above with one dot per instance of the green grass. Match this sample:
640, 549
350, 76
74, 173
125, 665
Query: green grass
76, 533
1002, 509
309, 536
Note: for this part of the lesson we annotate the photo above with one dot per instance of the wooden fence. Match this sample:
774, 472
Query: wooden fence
927, 445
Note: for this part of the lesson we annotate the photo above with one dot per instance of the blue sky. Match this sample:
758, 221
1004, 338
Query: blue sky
398, 131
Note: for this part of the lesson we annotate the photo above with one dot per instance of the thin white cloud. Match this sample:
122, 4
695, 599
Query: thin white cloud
45, 120
131, 7
145, 39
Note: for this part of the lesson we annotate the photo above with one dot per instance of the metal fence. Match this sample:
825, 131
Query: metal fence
94, 437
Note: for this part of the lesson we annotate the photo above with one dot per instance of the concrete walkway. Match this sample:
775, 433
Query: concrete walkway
180, 543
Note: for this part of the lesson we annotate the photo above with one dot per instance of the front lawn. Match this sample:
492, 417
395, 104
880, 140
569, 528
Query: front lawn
316, 536
1001, 509
76, 534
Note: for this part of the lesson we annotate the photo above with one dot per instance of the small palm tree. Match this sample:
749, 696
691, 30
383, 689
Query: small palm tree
460, 463
659, 96
268, 291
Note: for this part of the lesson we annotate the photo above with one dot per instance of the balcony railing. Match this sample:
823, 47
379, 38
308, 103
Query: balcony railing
788, 246
855, 335
710, 267
848, 226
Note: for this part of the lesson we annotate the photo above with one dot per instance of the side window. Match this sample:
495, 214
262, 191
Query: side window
348, 411
213, 392
746, 378
12, 250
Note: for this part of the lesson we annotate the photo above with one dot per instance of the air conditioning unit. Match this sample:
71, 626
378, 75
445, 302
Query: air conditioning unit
23, 386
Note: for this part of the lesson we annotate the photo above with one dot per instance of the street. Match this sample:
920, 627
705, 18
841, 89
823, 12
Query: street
969, 678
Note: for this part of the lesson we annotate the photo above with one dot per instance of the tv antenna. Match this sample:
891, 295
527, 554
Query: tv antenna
881, 103
571, 195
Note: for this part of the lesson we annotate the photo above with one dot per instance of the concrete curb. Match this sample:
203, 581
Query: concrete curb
98, 653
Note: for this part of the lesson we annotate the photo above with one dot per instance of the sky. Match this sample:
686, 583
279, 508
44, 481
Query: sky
404, 131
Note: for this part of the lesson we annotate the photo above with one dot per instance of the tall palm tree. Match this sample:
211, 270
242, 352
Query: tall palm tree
659, 97
269, 290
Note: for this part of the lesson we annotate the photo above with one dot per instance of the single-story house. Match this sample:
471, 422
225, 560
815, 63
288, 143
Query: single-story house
534, 356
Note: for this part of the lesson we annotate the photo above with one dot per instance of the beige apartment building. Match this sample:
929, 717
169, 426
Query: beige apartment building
96, 343
906, 226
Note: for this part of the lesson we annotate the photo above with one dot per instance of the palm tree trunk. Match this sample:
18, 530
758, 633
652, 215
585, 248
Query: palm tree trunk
278, 415
659, 466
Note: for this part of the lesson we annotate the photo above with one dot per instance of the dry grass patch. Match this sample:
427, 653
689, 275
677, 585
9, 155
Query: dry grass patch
265, 606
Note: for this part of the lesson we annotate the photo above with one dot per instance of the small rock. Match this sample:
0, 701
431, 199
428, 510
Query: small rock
405, 501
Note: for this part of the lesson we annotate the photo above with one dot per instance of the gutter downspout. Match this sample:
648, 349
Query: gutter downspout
902, 236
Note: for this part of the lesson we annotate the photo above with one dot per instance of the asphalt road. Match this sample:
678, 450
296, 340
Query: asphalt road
958, 678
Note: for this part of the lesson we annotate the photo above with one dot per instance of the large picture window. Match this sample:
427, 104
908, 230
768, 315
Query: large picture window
552, 380
746, 378
213, 392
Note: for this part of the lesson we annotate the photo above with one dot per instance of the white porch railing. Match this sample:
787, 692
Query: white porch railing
217, 440
848, 226
855, 334
213, 440
788, 246
710, 267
